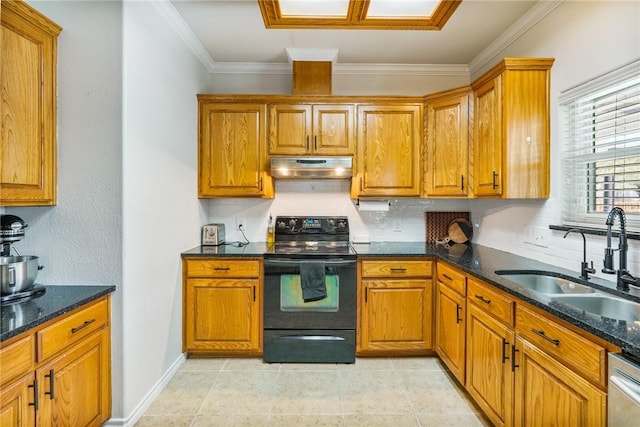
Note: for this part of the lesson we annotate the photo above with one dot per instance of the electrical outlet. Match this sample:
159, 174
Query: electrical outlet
241, 223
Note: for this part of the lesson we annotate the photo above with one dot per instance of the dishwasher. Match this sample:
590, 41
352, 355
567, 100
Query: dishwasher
624, 391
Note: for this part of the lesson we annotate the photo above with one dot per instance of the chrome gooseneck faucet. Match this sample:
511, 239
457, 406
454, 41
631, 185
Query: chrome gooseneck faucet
584, 266
624, 278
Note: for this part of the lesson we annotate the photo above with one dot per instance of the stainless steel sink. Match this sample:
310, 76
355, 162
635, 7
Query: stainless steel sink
602, 305
543, 282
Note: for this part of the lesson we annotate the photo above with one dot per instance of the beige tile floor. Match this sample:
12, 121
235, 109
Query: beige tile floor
373, 392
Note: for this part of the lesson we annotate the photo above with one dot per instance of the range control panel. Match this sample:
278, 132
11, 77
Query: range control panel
327, 225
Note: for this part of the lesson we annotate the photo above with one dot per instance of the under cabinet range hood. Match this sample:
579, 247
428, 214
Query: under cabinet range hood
312, 167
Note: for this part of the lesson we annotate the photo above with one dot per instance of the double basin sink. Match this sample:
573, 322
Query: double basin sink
569, 291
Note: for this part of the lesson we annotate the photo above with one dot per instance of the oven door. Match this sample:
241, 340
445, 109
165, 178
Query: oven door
283, 304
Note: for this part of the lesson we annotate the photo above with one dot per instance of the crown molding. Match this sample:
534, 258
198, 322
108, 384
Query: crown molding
514, 32
173, 17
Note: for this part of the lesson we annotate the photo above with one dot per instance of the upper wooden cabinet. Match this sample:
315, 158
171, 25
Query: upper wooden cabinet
388, 156
447, 130
511, 130
232, 159
322, 129
28, 77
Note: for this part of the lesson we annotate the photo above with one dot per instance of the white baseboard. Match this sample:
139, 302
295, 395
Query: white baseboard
142, 407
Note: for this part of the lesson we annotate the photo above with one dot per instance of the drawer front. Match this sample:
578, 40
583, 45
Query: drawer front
71, 328
397, 268
452, 278
586, 357
491, 301
17, 359
222, 268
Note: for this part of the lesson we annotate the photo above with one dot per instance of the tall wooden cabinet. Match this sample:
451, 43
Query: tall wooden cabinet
64, 366
396, 306
320, 129
451, 319
222, 306
389, 149
232, 150
28, 147
511, 129
446, 166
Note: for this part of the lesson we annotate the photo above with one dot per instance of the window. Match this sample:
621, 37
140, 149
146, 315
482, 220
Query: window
602, 152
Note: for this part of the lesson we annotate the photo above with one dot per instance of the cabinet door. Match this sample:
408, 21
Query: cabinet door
28, 138
489, 377
446, 166
450, 330
550, 394
223, 315
232, 151
290, 129
388, 161
333, 130
397, 315
74, 389
487, 139
16, 403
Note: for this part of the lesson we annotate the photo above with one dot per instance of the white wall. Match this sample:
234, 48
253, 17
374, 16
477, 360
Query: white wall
161, 211
79, 241
587, 38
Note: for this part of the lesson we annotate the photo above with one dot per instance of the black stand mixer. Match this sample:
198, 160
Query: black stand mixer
11, 230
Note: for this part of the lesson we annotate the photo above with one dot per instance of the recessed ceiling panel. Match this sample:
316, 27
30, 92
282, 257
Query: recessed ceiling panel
401, 8
314, 8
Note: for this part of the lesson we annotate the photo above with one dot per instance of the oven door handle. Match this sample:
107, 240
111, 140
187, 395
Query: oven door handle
296, 262
310, 338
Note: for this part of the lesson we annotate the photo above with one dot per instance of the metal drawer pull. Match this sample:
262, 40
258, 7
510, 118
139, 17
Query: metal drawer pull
483, 299
513, 358
493, 182
51, 377
462, 183
398, 269
34, 386
505, 344
84, 325
542, 334
221, 268
446, 277
458, 318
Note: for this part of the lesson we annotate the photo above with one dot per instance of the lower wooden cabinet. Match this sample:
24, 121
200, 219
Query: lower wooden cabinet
396, 306
71, 386
222, 306
450, 323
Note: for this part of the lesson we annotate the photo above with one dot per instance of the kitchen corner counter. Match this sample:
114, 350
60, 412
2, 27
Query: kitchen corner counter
256, 249
57, 300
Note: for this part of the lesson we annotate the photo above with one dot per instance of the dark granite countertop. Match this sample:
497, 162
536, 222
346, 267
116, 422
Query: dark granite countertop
19, 317
482, 262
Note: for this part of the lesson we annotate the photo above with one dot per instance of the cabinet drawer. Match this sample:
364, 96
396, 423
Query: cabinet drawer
17, 359
452, 278
72, 328
393, 268
222, 268
492, 301
571, 349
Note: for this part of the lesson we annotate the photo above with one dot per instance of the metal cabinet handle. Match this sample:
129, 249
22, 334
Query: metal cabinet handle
254, 294
84, 325
462, 182
260, 184
34, 386
307, 142
483, 299
505, 344
541, 334
51, 391
221, 268
513, 358
458, 318
315, 142
446, 277
366, 292
397, 269
494, 185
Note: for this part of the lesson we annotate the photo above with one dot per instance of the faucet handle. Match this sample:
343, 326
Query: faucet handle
590, 269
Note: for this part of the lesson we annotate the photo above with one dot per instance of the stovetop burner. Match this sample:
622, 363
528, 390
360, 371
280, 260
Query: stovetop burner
34, 292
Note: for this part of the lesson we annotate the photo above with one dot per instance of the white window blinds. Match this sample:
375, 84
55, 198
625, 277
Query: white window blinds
602, 148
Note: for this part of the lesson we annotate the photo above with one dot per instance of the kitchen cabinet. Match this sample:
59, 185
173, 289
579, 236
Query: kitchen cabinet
320, 129
511, 147
446, 166
389, 141
450, 319
396, 306
490, 338
28, 147
222, 309
232, 158
64, 366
